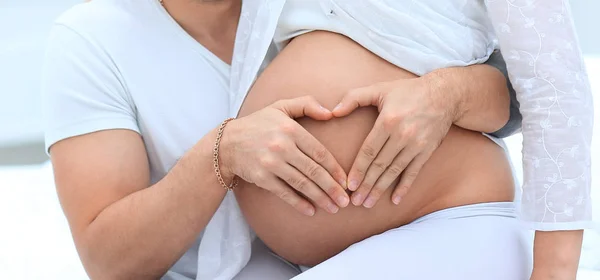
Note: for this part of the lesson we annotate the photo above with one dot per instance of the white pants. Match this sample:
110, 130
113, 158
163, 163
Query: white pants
475, 242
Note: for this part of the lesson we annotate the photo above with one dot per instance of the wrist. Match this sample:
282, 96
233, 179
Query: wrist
226, 151
445, 92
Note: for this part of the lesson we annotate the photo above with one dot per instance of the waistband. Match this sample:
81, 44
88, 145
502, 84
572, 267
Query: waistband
498, 209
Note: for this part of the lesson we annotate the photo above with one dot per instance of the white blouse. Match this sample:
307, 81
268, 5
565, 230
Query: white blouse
542, 54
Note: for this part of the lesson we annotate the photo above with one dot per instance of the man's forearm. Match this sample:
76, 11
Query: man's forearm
142, 235
479, 93
556, 254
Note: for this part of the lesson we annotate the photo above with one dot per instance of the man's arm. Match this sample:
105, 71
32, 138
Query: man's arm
123, 227
478, 94
513, 125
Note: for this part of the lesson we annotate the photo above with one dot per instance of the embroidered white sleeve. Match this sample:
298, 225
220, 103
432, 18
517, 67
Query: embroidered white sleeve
542, 53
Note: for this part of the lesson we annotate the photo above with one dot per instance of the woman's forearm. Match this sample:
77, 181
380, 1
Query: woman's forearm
142, 235
479, 94
556, 254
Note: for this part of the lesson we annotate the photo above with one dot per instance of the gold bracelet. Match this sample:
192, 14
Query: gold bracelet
234, 182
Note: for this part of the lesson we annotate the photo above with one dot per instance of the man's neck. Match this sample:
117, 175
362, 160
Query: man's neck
211, 19
213, 23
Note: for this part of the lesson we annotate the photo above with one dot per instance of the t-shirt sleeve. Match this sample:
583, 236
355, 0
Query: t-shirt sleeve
82, 90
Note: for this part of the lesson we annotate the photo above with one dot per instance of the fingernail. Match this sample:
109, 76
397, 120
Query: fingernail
337, 106
396, 199
343, 201
333, 208
353, 185
369, 203
309, 212
357, 199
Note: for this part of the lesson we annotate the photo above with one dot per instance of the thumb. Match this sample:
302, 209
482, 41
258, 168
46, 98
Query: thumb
360, 97
306, 106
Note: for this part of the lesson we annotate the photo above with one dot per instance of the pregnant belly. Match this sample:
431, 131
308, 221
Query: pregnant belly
467, 168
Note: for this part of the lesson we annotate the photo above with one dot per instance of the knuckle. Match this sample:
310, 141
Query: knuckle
361, 173
395, 169
320, 154
276, 145
267, 162
376, 192
313, 171
421, 143
307, 99
411, 174
402, 190
302, 185
378, 165
390, 122
334, 192
277, 104
366, 186
368, 152
288, 128
410, 131
285, 195
292, 181
259, 177
353, 93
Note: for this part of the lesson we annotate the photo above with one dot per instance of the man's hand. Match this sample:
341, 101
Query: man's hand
270, 149
412, 122
415, 115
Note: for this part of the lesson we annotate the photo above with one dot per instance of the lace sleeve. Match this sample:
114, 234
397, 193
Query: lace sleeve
542, 53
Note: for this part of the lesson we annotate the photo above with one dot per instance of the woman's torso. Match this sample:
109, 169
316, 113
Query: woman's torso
467, 168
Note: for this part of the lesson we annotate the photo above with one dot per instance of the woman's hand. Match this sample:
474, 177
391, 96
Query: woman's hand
413, 120
269, 148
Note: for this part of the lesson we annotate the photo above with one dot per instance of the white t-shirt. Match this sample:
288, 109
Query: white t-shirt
126, 64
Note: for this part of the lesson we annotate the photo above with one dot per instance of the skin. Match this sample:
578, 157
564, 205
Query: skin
103, 178
556, 254
467, 167
410, 127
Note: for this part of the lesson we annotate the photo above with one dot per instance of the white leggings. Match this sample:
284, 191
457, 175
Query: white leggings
473, 242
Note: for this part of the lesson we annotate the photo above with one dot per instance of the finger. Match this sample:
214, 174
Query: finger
381, 165
287, 194
401, 161
408, 176
360, 97
306, 106
367, 153
319, 176
305, 186
311, 147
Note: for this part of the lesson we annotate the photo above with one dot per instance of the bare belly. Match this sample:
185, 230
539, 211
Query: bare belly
467, 168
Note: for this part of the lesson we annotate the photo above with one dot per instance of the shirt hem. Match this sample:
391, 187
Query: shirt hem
577, 225
55, 135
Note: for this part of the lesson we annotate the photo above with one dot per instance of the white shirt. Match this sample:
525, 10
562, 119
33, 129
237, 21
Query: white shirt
542, 54
398, 31
126, 64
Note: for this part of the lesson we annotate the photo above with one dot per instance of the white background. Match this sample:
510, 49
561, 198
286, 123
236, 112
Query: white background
35, 242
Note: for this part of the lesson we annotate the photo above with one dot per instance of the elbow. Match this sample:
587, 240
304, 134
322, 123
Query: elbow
501, 119
100, 261
510, 123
